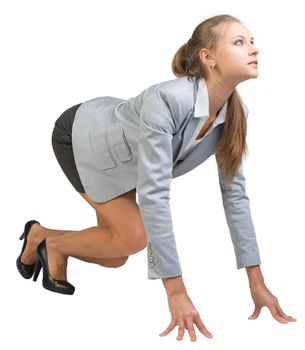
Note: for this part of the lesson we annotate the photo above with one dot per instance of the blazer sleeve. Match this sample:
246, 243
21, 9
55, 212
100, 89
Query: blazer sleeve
155, 162
238, 215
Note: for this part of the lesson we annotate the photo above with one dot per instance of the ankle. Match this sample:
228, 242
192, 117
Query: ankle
54, 247
56, 259
36, 234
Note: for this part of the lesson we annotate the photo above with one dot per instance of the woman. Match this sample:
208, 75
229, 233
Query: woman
110, 148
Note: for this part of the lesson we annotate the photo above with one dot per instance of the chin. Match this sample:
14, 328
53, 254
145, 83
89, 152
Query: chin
255, 76
250, 76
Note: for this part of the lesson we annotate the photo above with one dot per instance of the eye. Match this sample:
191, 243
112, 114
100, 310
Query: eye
239, 40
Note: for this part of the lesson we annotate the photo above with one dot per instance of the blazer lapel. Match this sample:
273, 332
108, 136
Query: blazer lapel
208, 145
186, 136
199, 154
201, 109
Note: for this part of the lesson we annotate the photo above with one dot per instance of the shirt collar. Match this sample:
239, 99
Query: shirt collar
202, 103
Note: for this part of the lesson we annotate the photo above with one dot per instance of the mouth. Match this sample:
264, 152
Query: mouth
253, 63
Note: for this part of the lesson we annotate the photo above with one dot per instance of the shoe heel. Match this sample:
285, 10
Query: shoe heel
38, 267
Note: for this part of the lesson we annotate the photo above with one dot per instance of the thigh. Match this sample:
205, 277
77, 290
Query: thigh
121, 214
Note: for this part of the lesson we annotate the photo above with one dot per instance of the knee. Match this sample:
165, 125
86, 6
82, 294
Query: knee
113, 262
119, 262
140, 244
136, 243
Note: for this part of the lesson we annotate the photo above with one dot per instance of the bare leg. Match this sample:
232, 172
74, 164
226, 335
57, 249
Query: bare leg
109, 245
94, 243
38, 233
106, 262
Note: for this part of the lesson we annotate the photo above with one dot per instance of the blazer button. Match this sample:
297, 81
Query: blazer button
151, 259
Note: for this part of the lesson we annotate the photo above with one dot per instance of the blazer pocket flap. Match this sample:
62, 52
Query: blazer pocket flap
100, 150
118, 143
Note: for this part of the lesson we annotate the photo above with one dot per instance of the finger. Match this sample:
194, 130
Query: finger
171, 326
256, 313
202, 328
180, 332
291, 319
276, 315
191, 329
282, 314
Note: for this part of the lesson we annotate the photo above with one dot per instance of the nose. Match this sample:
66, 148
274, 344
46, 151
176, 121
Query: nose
255, 50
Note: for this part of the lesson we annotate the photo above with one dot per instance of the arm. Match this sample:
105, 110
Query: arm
155, 165
239, 220
238, 215
153, 186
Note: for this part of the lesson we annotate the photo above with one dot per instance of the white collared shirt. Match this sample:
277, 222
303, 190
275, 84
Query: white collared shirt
202, 112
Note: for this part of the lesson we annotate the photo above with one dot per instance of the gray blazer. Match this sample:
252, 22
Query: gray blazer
121, 144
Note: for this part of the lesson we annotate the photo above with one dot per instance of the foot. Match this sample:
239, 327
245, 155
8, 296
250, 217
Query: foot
28, 256
57, 262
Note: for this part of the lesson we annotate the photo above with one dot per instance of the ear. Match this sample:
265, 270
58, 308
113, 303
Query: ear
206, 57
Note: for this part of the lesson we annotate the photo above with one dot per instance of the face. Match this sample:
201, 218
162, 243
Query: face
234, 53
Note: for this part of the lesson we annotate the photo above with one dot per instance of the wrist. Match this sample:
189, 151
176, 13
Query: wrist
255, 276
174, 285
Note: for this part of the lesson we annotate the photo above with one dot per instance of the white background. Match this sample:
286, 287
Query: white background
55, 54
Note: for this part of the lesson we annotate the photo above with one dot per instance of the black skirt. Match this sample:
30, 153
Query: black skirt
62, 146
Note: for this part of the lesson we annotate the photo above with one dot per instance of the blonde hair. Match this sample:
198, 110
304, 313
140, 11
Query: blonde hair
232, 144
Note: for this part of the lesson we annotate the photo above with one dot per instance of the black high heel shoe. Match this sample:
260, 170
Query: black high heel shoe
25, 270
48, 282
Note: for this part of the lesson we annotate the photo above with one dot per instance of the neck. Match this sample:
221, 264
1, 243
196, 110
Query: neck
218, 92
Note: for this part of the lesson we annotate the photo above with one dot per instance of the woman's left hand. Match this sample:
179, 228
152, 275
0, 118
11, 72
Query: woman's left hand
262, 296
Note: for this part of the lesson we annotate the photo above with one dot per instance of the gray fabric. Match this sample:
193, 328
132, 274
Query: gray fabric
136, 143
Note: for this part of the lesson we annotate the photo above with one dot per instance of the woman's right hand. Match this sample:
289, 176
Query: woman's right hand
184, 315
